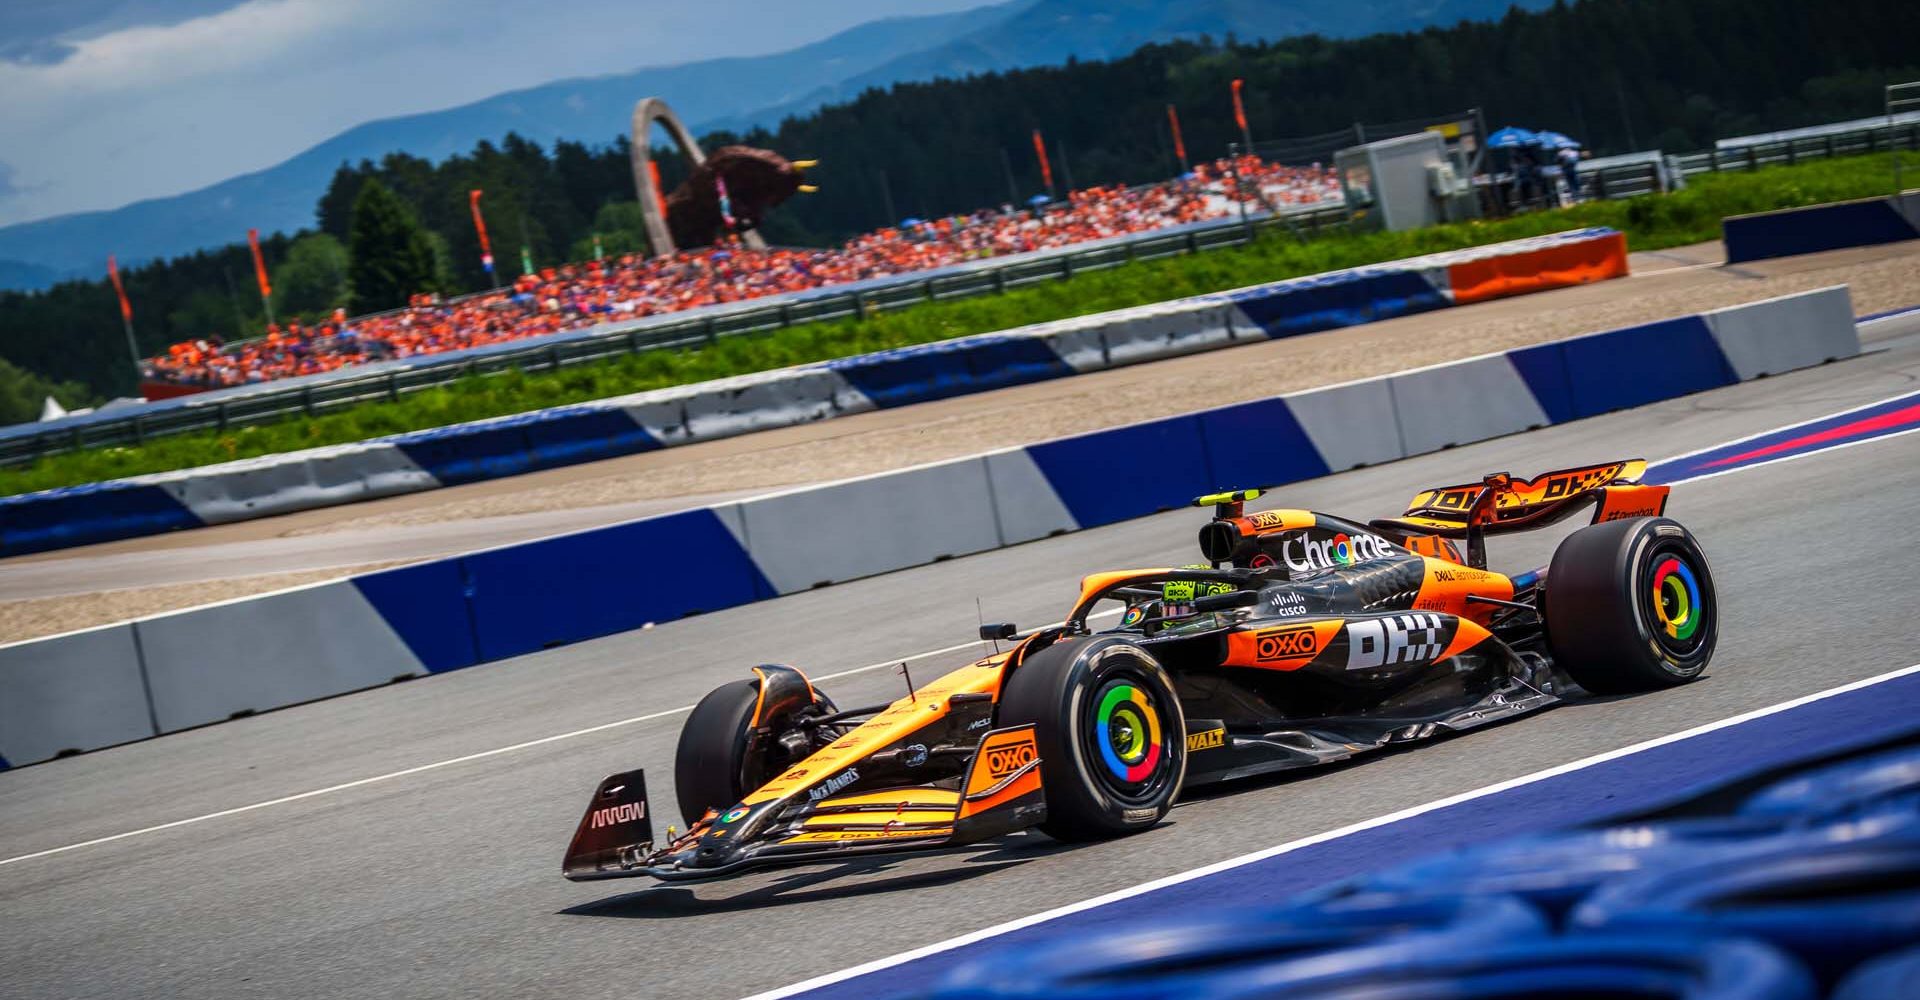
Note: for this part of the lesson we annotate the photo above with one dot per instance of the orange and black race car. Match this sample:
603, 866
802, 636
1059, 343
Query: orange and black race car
1307, 639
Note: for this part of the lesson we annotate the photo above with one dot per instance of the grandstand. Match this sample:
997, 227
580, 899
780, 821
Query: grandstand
584, 294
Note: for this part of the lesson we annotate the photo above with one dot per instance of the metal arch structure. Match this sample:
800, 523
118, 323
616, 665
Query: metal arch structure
653, 209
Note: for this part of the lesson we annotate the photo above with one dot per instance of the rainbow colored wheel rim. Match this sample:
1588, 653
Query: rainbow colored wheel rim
1676, 600
1127, 729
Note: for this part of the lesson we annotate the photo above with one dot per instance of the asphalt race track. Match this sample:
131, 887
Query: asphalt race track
444, 881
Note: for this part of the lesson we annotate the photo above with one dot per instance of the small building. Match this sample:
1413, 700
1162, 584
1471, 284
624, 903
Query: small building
1406, 182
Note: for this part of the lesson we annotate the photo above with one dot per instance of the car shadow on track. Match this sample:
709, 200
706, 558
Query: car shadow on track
815, 884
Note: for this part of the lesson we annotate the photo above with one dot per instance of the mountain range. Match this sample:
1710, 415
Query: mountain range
731, 94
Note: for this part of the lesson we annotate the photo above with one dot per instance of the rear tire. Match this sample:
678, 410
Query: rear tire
709, 765
1110, 731
1630, 606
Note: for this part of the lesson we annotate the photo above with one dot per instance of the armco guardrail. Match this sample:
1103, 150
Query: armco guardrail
1638, 179
187, 668
645, 421
227, 409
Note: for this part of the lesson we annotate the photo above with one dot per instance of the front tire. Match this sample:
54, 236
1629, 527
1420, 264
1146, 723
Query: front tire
1630, 606
1110, 731
710, 763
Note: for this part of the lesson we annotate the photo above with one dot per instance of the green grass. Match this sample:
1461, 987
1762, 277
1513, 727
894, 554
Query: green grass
1651, 223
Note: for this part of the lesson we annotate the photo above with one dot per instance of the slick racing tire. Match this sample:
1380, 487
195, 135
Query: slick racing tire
708, 766
1630, 606
1110, 731
715, 765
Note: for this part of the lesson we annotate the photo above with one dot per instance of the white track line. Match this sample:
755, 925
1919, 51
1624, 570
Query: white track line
1378, 821
482, 755
1680, 269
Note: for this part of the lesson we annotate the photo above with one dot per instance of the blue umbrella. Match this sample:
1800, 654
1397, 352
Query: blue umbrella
1510, 138
1037, 199
909, 223
1554, 140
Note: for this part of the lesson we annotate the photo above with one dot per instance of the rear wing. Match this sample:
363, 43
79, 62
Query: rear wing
1501, 503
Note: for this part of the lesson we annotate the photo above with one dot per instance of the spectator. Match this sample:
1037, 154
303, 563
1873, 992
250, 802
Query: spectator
575, 296
1570, 168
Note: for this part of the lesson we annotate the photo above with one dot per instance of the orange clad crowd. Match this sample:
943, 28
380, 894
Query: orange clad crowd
576, 296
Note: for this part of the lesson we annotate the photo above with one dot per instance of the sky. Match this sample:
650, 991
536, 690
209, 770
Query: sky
110, 101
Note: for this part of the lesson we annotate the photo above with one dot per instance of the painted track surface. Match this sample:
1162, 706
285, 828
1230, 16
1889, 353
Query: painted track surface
1665, 283
445, 882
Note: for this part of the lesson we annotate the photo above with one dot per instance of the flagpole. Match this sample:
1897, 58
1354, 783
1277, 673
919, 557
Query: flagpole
260, 274
133, 349
1240, 116
126, 317
1179, 146
480, 227
1046, 169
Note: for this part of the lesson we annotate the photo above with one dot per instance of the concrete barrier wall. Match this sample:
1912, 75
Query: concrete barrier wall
211, 663
1777, 335
1795, 231
1350, 425
544, 439
79, 691
807, 538
1466, 401
206, 664
535, 595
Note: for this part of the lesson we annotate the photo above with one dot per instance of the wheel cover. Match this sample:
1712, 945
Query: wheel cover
1127, 731
1676, 600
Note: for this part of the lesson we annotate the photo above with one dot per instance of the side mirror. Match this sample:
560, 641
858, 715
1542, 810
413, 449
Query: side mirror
997, 630
1221, 602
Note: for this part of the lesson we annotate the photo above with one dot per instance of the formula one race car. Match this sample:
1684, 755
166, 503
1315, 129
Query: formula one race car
1305, 640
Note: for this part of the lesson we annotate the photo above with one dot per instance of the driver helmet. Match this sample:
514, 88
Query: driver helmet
1175, 606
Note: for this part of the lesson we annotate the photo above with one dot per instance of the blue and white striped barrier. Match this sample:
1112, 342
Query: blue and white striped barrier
626, 425
1816, 228
517, 599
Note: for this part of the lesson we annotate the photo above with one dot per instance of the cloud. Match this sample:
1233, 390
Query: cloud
111, 101
43, 32
8, 188
36, 52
